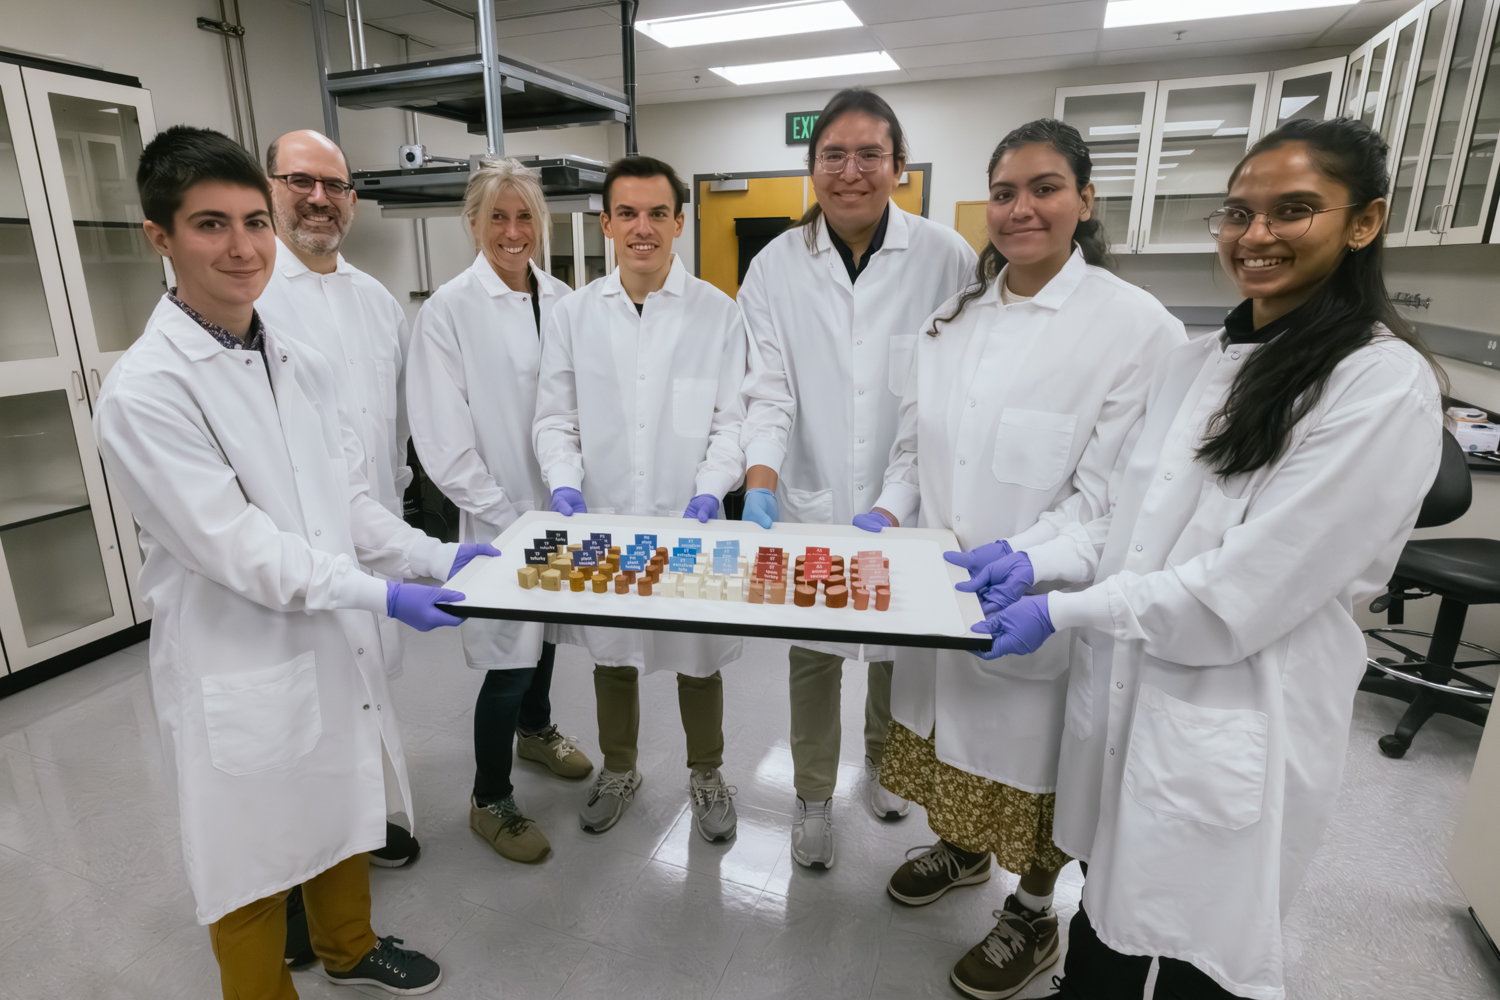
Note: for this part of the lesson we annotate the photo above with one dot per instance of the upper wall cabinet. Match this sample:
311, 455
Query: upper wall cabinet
1115, 121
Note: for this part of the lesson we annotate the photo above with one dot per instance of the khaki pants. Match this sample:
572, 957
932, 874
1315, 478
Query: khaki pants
816, 729
250, 943
617, 697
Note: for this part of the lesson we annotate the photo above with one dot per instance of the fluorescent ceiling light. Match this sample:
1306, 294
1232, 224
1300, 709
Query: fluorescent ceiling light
750, 22
806, 69
1204, 126
1114, 130
1124, 13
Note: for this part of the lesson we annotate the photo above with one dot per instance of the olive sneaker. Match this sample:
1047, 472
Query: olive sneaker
395, 970
556, 752
1022, 945
713, 805
609, 797
512, 835
941, 867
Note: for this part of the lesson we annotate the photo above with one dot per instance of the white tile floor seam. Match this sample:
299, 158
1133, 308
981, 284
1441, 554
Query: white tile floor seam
96, 902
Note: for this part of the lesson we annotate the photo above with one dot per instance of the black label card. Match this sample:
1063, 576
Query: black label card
537, 557
559, 538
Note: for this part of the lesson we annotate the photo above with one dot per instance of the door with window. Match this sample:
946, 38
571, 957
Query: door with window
62, 579
1115, 120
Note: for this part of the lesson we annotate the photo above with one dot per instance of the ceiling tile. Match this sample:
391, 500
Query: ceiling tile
997, 24
994, 49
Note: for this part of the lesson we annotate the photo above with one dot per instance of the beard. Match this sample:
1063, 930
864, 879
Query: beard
289, 227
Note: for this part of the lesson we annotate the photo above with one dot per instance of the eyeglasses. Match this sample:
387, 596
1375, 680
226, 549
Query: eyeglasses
866, 160
304, 184
1285, 222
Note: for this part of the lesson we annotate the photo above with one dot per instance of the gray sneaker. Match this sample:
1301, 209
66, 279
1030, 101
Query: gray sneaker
713, 805
609, 796
812, 834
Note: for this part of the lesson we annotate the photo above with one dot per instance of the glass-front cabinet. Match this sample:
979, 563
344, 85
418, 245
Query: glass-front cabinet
1312, 91
1115, 121
62, 575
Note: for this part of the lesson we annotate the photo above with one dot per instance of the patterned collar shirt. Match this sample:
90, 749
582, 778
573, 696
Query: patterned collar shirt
256, 341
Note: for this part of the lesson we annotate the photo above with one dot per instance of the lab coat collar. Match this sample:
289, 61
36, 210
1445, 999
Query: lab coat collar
676, 282
196, 343
491, 282
291, 267
1055, 292
897, 233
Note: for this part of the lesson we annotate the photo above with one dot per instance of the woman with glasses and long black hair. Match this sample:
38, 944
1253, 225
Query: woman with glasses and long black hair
1277, 473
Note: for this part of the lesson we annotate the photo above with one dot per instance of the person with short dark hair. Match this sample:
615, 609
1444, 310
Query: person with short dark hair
638, 412
226, 440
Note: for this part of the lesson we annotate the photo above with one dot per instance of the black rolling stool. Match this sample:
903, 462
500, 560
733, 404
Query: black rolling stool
1462, 571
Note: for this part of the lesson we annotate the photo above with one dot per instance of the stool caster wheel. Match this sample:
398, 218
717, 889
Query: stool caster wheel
1392, 746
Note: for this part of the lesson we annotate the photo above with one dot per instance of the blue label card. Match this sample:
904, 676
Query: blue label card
602, 537
726, 563
683, 564
696, 544
649, 541
560, 537
731, 546
634, 562
537, 557
681, 551
585, 557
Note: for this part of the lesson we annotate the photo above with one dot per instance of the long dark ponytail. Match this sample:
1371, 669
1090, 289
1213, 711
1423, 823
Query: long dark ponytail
845, 101
1285, 377
1089, 235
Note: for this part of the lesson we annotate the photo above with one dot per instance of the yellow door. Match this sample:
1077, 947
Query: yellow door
718, 247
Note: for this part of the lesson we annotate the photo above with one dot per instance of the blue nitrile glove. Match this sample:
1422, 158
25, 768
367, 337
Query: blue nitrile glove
412, 603
872, 521
1001, 583
976, 559
760, 507
703, 506
467, 551
567, 501
1018, 629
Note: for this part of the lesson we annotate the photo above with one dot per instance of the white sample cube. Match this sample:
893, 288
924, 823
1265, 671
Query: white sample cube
668, 586
744, 565
692, 585
737, 589
713, 588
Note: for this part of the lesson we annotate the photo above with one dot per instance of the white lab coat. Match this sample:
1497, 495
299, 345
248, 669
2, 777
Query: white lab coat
358, 326
1205, 738
266, 674
471, 391
829, 360
1016, 410
642, 413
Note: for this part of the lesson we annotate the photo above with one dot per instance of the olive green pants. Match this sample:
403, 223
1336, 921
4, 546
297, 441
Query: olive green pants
816, 682
617, 699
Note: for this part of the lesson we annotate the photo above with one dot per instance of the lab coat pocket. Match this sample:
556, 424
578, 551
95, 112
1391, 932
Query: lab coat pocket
903, 350
260, 719
1204, 532
806, 506
1032, 447
693, 406
1078, 719
1207, 765
385, 378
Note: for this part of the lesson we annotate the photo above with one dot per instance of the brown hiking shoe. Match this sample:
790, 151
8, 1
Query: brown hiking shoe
556, 751
1021, 946
512, 835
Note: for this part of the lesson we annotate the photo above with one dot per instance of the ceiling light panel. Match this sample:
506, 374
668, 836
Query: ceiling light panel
1125, 13
750, 22
807, 69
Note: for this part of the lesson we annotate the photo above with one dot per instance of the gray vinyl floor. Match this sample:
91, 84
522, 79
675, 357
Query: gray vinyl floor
93, 902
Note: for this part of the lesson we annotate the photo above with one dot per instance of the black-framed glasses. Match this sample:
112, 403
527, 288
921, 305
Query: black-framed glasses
1289, 221
866, 160
334, 187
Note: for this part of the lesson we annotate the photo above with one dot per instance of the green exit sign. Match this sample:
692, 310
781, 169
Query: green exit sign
799, 127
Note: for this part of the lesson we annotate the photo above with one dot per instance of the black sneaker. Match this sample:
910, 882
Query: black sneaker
299, 953
400, 849
393, 969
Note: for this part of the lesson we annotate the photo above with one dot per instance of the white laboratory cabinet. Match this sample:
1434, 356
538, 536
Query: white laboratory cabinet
77, 282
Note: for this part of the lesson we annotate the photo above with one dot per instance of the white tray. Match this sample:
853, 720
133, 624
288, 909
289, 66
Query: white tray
925, 609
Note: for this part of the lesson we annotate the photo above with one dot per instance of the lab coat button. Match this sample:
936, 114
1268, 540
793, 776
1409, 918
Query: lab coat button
367, 708
972, 403
1235, 356
361, 651
283, 357
962, 462
861, 440
641, 473
861, 487
317, 531
1111, 749
1138, 548
861, 392
1120, 685
643, 376
247, 361
1167, 476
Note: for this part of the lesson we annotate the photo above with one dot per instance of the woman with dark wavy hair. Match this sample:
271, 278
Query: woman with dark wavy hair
1024, 389
1274, 480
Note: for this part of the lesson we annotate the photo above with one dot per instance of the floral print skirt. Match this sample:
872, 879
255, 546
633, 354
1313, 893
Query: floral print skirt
974, 813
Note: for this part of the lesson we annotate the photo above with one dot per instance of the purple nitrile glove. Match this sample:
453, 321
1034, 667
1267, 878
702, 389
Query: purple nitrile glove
976, 559
703, 506
567, 501
412, 603
1001, 583
467, 551
872, 521
1018, 629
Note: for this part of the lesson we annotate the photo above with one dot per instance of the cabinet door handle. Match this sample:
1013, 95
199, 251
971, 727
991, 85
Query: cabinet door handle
94, 375
77, 386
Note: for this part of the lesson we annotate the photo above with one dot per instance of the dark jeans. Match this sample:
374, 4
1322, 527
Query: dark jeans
508, 699
1095, 971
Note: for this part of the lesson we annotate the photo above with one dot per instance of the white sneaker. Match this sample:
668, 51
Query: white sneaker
885, 804
812, 834
713, 805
